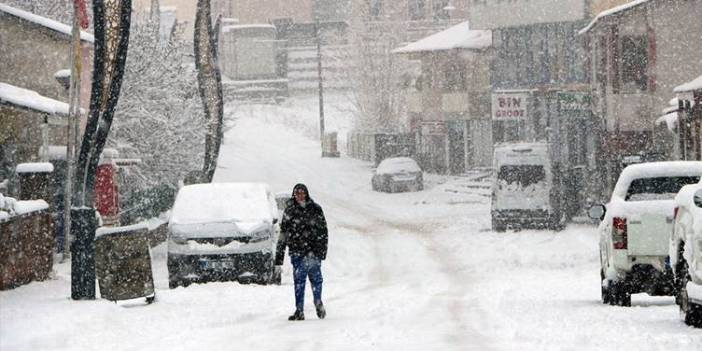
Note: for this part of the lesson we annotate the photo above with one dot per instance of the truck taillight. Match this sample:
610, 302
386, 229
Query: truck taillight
675, 212
619, 233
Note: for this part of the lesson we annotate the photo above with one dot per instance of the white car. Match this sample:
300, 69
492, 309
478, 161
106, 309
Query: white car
686, 253
635, 229
397, 174
223, 231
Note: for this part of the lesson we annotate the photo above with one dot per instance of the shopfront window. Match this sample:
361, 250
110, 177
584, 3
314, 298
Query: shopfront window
416, 10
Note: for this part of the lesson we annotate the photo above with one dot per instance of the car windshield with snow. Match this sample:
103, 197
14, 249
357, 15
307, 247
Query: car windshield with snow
223, 231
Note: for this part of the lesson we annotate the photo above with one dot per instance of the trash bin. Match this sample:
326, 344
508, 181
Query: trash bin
123, 263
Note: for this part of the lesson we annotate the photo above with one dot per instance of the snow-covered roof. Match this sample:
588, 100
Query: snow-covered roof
613, 11
32, 100
457, 37
45, 22
35, 167
696, 84
222, 203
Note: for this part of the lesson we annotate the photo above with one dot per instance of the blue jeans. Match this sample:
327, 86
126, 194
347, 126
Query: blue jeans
304, 267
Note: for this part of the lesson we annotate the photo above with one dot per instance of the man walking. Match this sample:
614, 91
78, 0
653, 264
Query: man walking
304, 231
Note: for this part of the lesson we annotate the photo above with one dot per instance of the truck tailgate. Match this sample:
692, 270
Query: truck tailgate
649, 234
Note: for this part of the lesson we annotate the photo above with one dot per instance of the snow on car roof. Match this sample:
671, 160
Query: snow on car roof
655, 170
222, 202
397, 164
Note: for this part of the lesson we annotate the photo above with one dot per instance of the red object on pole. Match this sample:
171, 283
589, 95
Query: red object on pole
82, 13
106, 193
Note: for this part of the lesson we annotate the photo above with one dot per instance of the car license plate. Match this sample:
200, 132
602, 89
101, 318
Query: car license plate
217, 265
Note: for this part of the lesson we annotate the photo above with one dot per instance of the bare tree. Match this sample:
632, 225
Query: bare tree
377, 74
160, 113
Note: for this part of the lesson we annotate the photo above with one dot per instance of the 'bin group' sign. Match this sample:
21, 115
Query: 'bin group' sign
508, 106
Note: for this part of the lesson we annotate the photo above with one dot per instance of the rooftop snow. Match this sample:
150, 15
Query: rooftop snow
613, 11
689, 86
45, 22
32, 100
457, 37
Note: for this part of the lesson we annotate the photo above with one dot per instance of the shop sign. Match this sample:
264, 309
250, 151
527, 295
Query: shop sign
507, 106
574, 102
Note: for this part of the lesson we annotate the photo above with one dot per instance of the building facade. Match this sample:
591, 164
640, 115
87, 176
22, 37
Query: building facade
638, 55
449, 101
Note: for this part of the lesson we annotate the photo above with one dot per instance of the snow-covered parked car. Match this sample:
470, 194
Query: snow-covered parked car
398, 174
223, 231
686, 253
635, 229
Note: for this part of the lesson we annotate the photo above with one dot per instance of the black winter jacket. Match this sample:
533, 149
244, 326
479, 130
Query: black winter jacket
303, 230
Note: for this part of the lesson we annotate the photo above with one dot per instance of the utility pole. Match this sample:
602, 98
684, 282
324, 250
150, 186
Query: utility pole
321, 86
73, 122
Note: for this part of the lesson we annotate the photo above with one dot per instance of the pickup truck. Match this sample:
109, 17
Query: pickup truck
686, 253
635, 229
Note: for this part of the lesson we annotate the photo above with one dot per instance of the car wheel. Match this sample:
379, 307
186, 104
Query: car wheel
498, 226
619, 296
690, 313
604, 285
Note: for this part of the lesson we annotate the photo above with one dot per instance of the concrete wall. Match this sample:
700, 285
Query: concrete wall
31, 54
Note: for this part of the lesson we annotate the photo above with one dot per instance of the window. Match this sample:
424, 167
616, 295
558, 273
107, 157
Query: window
634, 64
375, 9
438, 10
415, 9
454, 77
522, 175
662, 188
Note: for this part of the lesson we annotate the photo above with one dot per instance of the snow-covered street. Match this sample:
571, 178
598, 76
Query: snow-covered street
407, 271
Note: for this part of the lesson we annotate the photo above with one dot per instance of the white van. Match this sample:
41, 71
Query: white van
223, 231
524, 191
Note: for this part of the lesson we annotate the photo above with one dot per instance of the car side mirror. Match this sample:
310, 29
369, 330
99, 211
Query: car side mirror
597, 212
697, 198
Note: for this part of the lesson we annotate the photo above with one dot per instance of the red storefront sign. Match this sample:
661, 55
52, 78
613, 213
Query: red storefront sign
510, 106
